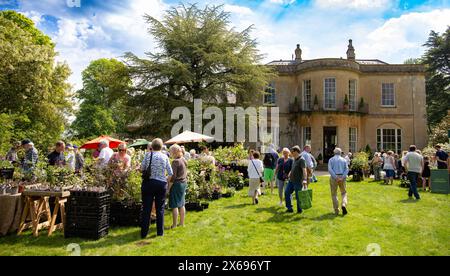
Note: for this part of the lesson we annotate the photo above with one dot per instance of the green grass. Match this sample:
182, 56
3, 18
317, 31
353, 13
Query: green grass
377, 214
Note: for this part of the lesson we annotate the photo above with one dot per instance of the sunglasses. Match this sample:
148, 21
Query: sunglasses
122, 150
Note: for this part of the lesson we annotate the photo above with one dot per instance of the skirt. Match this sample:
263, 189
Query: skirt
254, 185
177, 195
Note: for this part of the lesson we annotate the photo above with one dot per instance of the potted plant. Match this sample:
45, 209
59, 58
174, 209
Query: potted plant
319, 158
359, 163
316, 103
361, 104
217, 192
295, 106
346, 103
6, 169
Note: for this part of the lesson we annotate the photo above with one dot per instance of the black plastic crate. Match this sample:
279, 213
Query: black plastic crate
86, 234
123, 214
87, 224
87, 211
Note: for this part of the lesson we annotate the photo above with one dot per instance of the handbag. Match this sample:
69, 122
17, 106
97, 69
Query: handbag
148, 172
305, 197
260, 178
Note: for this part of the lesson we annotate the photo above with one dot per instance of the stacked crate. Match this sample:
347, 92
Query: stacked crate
87, 215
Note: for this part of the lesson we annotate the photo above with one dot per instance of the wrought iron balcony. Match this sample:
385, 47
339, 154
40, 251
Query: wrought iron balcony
338, 108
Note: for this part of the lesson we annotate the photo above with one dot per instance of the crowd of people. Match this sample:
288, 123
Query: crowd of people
290, 172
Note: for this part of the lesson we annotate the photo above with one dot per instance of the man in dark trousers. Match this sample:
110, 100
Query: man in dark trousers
297, 178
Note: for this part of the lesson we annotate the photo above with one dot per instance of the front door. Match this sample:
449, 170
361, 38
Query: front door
329, 142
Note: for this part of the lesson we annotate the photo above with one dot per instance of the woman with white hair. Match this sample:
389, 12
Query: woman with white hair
177, 185
284, 166
155, 171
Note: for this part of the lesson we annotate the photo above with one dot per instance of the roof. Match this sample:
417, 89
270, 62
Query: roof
360, 61
371, 62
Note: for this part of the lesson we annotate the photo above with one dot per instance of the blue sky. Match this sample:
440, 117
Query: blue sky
389, 30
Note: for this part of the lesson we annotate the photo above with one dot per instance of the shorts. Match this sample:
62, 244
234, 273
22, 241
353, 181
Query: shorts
269, 174
390, 173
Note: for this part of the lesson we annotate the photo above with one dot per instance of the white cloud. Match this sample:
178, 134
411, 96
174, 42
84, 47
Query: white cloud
33, 15
72, 43
239, 10
401, 38
282, 2
355, 4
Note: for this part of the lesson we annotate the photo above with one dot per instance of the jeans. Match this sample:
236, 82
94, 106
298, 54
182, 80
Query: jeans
281, 184
153, 190
291, 187
413, 177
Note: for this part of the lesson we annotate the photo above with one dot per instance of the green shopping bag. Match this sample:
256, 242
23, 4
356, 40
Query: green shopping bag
305, 197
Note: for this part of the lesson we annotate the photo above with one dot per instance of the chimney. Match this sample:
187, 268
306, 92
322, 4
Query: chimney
350, 51
298, 54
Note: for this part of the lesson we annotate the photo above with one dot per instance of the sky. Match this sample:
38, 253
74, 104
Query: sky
389, 30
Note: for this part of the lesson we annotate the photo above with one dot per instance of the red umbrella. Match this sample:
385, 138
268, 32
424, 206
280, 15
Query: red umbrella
113, 143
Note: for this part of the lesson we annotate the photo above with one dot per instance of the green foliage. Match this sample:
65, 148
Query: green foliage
369, 152
439, 133
93, 120
231, 179
360, 161
103, 96
227, 155
33, 89
413, 61
436, 59
200, 57
27, 25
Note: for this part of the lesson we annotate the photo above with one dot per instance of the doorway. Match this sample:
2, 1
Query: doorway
329, 142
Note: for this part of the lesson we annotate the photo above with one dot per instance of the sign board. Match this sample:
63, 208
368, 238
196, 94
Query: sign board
440, 182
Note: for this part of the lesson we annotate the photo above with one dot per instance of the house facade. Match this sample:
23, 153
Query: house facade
349, 103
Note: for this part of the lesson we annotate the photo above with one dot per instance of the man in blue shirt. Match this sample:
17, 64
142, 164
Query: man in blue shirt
338, 169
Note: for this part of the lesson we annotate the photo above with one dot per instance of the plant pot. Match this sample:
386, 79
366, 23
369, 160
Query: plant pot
7, 173
193, 206
227, 194
205, 205
125, 213
216, 195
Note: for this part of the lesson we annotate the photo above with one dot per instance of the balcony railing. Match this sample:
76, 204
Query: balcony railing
340, 107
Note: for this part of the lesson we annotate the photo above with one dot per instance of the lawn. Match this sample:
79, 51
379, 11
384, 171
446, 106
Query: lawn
377, 214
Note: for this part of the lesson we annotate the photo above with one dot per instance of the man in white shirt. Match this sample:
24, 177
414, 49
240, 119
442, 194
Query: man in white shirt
414, 166
309, 163
105, 153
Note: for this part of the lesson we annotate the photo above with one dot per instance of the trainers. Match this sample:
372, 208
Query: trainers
344, 211
256, 201
290, 211
299, 211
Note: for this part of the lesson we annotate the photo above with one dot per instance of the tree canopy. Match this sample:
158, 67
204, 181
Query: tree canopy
199, 57
34, 93
103, 97
437, 60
